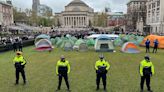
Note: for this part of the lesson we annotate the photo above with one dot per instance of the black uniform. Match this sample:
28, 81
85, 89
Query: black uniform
19, 63
62, 70
101, 67
146, 71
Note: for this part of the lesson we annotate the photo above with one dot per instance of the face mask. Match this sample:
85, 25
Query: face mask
63, 60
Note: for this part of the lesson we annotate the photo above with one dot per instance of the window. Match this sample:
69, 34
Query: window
158, 3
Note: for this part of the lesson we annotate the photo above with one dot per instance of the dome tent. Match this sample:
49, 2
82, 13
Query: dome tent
68, 46
130, 47
42, 36
80, 45
118, 42
43, 43
90, 42
104, 44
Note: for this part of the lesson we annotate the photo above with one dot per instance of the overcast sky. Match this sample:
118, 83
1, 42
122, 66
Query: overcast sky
58, 5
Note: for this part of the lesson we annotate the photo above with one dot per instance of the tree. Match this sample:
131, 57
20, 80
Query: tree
19, 16
102, 20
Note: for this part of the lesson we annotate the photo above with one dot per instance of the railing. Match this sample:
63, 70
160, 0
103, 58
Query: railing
9, 46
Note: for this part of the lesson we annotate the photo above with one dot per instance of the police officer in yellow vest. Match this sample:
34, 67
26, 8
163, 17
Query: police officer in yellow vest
101, 67
62, 70
19, 63
146, 71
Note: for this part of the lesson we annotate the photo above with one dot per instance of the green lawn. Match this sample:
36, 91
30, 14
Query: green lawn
40, 70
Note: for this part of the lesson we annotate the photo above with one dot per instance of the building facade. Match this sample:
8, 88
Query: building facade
76, 14
116, 19
136, 10
6, 14
41, 9
35, 5
155, 16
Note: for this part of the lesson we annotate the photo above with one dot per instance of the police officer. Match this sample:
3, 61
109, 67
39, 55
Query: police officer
62, 70
19, 63
147, 43
155, 46
146, 71
101, 67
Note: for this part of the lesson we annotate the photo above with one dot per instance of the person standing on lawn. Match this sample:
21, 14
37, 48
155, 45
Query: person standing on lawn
19, 63
62, 70
146, 71
101, 66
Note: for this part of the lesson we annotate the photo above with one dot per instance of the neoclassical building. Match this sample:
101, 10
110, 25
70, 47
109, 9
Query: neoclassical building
76, 14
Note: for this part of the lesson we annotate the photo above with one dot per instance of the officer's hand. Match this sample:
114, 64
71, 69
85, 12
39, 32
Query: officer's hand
106, 71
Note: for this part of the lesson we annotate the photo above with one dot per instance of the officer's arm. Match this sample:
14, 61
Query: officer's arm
68, 66
152, 69
96, 66
141, 69
108, 65
57, 68
23, 62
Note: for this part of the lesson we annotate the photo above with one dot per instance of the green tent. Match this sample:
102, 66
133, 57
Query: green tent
90, 42
118, 42
80, 45
78, 42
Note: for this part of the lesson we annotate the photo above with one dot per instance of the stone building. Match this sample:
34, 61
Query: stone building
136, 11
155, 16
76, 14
6, 14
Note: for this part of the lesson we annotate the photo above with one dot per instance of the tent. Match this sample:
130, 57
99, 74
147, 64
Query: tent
118, 42
103, 43
68, 46
80, 45
43, 43
42, 36
110, 36
90, 42
129, 47
152, 38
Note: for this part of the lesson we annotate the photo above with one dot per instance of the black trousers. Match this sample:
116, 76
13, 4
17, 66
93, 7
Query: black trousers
99, 76
22, 73
61, 76
147, 49
147, 78
20, 48
15, 49
155, 49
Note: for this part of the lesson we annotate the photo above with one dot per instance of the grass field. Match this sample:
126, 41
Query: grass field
40, 70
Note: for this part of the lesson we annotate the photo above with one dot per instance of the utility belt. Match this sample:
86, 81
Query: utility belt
62, 69
102, 69
18, 65
147, 71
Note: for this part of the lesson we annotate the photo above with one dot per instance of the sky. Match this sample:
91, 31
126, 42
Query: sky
58, 5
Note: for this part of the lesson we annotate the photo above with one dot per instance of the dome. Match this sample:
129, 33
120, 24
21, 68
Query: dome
77, 3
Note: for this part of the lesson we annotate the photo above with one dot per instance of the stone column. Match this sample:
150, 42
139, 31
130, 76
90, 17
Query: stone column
64, 21
67, 21
71, 21
76, 21
81, 21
